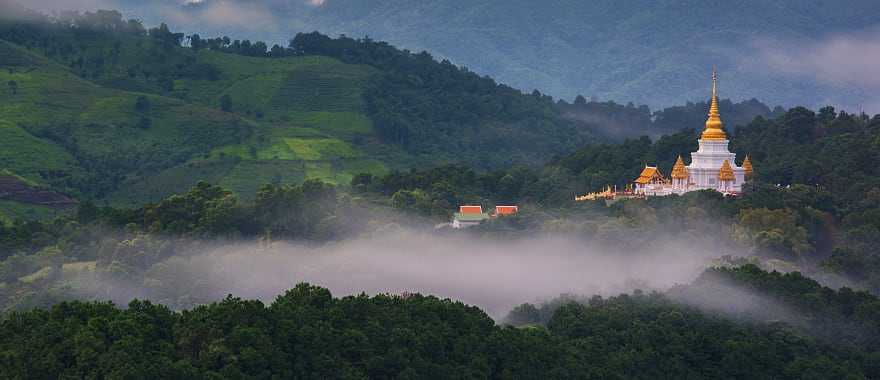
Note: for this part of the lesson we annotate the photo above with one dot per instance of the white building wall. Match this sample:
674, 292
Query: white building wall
457, 224
707, 161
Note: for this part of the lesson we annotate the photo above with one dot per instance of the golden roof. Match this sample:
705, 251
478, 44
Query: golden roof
747, 166
725, 174
649, 174
679, 171
713, 129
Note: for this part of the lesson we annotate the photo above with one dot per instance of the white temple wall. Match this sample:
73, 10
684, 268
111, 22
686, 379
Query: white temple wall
707, 161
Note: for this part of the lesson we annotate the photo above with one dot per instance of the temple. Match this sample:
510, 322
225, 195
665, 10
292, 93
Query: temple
712, 167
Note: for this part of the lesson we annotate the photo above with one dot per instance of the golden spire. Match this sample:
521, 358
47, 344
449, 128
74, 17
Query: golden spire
679, 171
725, 174
713, 129
747, 166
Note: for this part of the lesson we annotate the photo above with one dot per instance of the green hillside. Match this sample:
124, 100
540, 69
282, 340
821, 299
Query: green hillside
307, 115
99, 107
79, 137
11, 211
104, 133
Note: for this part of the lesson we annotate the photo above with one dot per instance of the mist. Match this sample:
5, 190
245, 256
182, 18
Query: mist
494, 274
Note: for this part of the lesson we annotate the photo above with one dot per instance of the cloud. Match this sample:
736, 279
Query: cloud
838, 61
222, 14
51, 5
493, 274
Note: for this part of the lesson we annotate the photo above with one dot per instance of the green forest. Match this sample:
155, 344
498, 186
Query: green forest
307, 333
127, 152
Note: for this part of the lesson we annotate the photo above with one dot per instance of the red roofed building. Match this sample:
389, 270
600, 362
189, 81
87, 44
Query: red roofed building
506, 210
468, 216
470, 210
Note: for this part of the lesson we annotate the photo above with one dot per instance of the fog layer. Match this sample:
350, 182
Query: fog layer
492, 274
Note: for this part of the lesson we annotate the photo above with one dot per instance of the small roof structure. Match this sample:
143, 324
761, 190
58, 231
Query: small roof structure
470, 210
650, 174
470, 213
747, 166
679, 171
506, 210
725, 174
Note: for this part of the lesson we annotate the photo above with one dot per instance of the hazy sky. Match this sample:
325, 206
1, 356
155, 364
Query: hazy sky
838, 60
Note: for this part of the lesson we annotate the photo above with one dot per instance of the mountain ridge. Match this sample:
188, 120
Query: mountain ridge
658, 53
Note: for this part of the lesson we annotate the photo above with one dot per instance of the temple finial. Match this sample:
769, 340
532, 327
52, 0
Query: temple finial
713, 129
714, 82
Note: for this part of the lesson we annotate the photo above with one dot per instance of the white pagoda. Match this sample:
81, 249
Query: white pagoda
713, 166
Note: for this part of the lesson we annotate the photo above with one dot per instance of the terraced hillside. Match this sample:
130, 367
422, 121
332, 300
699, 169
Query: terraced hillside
309, 122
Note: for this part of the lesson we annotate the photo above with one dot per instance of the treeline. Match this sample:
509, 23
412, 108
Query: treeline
844, 316
84, 22
749, 295
129, 246
307, 333
621, 121
836, 152
607, 118
430, 106
299, 212
404, 114
98, 45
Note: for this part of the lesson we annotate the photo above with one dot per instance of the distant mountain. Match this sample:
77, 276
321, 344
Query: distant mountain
650, 52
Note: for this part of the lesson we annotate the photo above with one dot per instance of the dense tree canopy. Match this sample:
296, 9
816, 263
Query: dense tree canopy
307, 333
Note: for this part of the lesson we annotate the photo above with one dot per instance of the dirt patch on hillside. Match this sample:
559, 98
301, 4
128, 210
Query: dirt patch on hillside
13, 189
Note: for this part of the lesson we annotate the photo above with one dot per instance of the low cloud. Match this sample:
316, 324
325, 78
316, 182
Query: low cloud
254, 19
234, 15
67, 5
495, 275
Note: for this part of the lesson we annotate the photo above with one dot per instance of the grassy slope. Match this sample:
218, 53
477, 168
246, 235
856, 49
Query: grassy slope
299, 118
91, 122
310, 123
21, 152
11, 211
